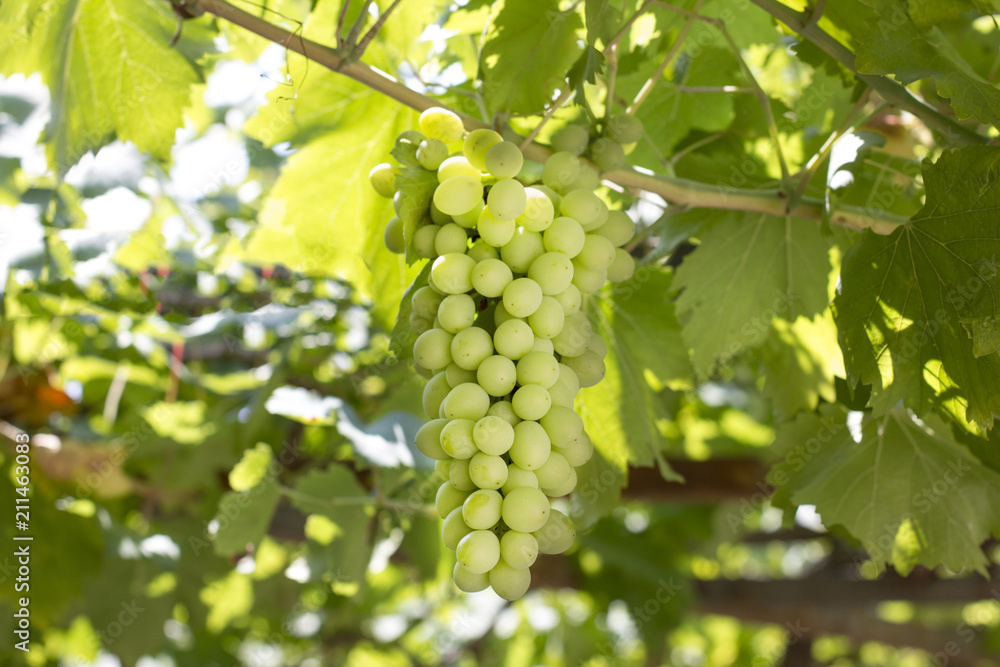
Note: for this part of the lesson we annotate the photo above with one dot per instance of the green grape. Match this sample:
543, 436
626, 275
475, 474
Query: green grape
423, 241
522, 297
488, 472
553, 473
453, 529
589, 179
573, 339
560, 170
458, 194
477, 144
538, 368
608, 155
519, 550
506, 199
565, 488
571, 300
564, 235
553, 271
597, 253
470, 217
588, 280
437, 217
581, 205
441, 466
538, 211
441, 124
466, 401
490, 277
504, 159
531, 172
479, 551
413, 137
458, 475
468, 582
452, 273
457, 166
457, 312
470, 347
493, 230
571, 139
598, 222
525, 509
435, 391
448, 499
431, 153
505, 411
588, 367
383, 178
508, 582
500, 315
456, 375
561, 425
418, 324
550, 193
557, 535
518, 477
513, 339
597, 345
425, 302
567, 377
497, 375
456, 439
578, 450
618, 228
493, 435
625, 129
542, 344
531, 402
561, 396
522, 249
622, 268
451, 239
481, 510
481, 250
432, 349
397, 203
531, 446
547, 322
428, 439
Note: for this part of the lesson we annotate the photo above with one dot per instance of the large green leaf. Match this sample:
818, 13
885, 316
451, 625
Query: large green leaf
918, 309
529, 49
243, 517
892, 44
645, 352
899, 472
110, 68
749, 269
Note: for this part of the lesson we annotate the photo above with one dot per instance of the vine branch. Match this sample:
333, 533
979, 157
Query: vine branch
675, 190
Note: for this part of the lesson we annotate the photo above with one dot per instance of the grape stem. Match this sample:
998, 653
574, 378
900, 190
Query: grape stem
675, 190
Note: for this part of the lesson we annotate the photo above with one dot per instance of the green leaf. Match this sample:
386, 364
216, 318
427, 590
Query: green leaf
527, 53
603, 18
110, 69
911, 302
801, 360
749, 269
892, 44
251, 467
417, 186
244, 517
645, 353
929, 14
184, 422
228, 599
900, 471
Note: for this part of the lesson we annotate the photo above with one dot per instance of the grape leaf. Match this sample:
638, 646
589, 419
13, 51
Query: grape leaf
892, 44
243, 517
529, 49
416, 186
748, 269
110, 68
929, 14
603, 18
917, 309
900, 470
251, 468
643, 337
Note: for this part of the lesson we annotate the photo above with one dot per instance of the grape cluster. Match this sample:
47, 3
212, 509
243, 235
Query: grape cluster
503, 339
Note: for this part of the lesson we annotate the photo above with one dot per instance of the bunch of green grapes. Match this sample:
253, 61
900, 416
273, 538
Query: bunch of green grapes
504, 341
608, 151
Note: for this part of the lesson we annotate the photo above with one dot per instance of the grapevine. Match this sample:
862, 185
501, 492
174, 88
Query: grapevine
516, 248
